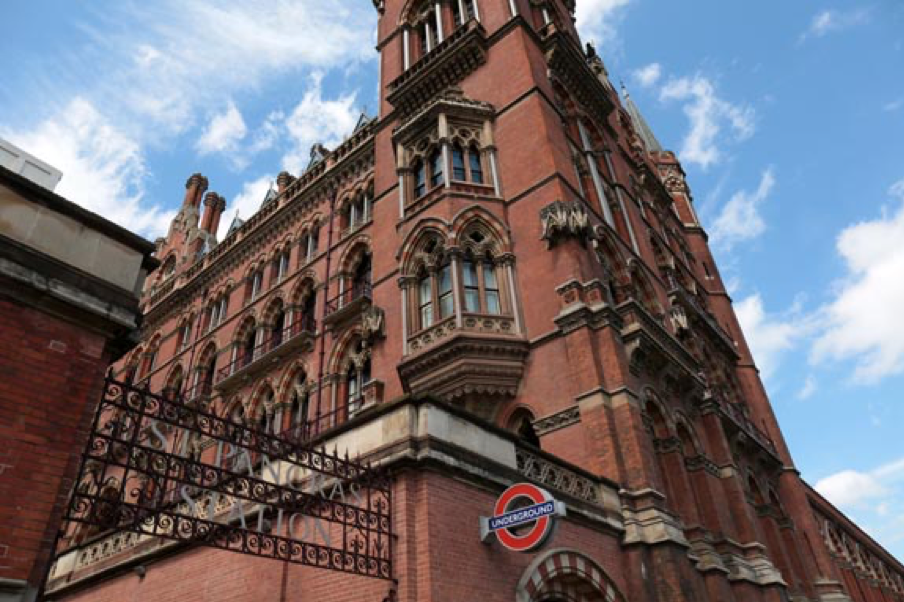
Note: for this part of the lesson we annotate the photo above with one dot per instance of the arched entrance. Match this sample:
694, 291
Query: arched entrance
563, 575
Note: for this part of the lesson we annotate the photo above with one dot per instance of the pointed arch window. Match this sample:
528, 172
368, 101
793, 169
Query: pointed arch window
361, 277
277, 328
248, 345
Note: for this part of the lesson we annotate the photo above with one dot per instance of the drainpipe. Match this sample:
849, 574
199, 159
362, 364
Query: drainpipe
326, 298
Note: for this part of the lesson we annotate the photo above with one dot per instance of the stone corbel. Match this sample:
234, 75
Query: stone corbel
565, 220
372, 324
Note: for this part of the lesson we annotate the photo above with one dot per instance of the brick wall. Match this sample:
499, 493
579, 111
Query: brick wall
50, 380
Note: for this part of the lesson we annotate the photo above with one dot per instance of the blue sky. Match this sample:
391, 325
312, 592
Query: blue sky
789, 117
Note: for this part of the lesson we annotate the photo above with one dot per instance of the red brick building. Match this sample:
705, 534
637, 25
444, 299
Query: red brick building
69, 287
510, 239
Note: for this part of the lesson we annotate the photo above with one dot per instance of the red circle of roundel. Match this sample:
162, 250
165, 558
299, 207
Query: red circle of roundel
537, 532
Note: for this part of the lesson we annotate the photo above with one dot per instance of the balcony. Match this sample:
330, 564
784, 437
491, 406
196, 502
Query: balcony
348, 304
446, 65
480, 359
652, 348
687, 312
273, 348
321, 424
736, 416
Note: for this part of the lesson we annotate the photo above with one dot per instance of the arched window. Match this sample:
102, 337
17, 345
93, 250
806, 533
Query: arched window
436, 168
254, 285
169, 267
475, 166
308, 244
522, 424
207, 366
277, 327
173, 386
361, 277
281, 266
458, 164
248, 346
183, 336
420, 178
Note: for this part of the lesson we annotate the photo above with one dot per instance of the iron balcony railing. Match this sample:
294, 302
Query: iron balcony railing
358, 292
272, 341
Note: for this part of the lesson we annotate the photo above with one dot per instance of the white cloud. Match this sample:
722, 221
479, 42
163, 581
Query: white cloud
189, 54
223, 133
863, 321
873, 498
246, 203
708, 115
103, 169
648, 76
596, 20
809, 388
770, 336
740, 218
164, 65
849, 488
316, 119
829, 21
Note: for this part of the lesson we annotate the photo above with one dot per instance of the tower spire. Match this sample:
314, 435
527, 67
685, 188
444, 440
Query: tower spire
640, 124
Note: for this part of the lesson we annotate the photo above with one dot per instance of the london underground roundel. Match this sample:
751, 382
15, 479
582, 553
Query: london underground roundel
522, 517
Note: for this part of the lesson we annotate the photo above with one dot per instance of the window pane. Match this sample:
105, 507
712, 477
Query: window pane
420, 177
426, 315
489, 276
436, 168
458, 164
472, 302
445, 279
445, 305
470, 273
476, 169
493, 302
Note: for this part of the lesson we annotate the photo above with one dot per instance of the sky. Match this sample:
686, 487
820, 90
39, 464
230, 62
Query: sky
788, 118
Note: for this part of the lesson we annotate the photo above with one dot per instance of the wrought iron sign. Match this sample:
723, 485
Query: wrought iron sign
160, 467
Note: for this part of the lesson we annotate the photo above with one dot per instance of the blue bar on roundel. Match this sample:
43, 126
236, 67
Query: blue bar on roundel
522, 515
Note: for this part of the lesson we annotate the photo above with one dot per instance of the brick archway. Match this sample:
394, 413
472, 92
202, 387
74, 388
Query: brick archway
566, 575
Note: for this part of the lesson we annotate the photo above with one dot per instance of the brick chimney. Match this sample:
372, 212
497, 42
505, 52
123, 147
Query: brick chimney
214, 205
195, 187
283, 181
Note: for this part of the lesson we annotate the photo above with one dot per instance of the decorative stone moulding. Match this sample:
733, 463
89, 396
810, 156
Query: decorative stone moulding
446, 65
570, 67
465, 365
565, 219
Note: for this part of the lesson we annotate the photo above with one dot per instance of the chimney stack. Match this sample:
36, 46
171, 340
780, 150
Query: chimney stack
214, 205
195, 187
283, 181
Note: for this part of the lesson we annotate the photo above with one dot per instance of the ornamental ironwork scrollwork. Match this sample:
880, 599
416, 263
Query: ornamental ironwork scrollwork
140, 473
